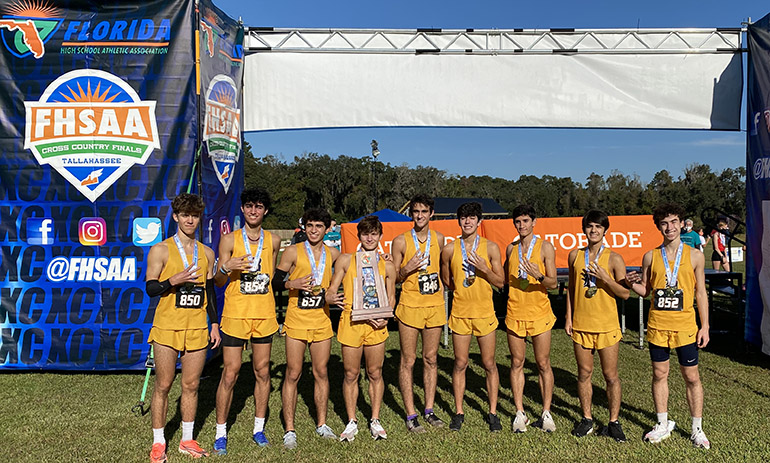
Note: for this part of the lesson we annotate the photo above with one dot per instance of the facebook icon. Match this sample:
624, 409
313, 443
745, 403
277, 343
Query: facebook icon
40, 231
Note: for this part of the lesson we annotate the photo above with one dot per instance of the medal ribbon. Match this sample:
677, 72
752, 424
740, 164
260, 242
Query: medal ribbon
318, 270
671, 277
522, 272
592, 280
182, 253
258, 255
417, 246
470, 270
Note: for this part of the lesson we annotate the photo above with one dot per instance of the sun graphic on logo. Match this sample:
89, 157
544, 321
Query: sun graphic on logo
33, 9
224, 96
88, 96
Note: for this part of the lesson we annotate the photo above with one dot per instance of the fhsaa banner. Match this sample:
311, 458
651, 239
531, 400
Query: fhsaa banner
758, 186
98, 134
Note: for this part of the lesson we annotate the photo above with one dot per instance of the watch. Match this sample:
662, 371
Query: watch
540, 278
224, 270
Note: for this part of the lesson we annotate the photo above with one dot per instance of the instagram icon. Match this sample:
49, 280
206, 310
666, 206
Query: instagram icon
92, 231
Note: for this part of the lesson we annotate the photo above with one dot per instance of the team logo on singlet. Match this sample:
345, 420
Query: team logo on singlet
26, 26
222, 130
91, 127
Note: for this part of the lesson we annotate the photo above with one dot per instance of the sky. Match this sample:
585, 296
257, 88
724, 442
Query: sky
508, 152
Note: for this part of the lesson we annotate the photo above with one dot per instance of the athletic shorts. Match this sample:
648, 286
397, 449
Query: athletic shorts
421, 317
596, 341
357, 334
232, 341
524, 328
248, 328
476, 326
181, 340
715, 257
671, 339
687, 354
309, 335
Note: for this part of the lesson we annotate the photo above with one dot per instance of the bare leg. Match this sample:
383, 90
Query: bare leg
541, 344
694, 390
192, 367
319, 356
660, 386
585, 364
165, 370
430, 340
408, 340
260, 357
351, 360
295, 356
461, 346
375, 356
518, 348
609, 358
231, 359
487, 346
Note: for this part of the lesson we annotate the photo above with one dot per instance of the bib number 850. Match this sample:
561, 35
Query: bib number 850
190, 300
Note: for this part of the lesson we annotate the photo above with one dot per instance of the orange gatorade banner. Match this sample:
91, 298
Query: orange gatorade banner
629, 235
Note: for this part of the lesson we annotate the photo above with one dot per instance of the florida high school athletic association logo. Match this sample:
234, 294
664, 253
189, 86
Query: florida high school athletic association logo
27, 25
91, 127
222, 130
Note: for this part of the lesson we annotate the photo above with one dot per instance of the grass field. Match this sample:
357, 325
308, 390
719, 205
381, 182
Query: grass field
52, 417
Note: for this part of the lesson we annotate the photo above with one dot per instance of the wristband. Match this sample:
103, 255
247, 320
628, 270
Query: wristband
540, 278
224, 270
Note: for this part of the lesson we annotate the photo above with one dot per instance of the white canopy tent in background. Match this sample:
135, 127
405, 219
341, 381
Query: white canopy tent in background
645, 78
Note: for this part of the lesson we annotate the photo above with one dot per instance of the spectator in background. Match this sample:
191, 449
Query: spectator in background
689, 236
703, 239
719, 244
333, 238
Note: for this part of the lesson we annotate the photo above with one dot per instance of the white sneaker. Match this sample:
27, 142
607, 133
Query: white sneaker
700, 441
660, 432
349, 434
325, 431
520, 422
545, 423
378, 432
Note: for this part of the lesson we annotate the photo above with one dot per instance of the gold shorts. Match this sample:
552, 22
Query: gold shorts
309, 335
247, 328
671, 339
181, 340
357, 334
476, 326
524, 328
421, 317
597, 341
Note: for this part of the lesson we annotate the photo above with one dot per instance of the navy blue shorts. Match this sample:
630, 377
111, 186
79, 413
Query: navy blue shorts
688, 355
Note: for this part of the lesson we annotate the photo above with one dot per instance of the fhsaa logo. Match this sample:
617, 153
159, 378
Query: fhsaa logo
91, 127
26, 26
222, 131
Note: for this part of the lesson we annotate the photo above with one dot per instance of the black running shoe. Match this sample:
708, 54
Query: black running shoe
584, 428
494, 422
615, 431
457, 422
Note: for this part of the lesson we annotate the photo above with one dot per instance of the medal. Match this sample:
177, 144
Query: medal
418, 251
590, 279
590, 292
470, 270
671, 276
523, 283
256, 258
469, 281
317, 269
316, 290
523, 280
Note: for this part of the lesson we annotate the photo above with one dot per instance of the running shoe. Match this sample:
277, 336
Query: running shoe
414, 426
494, 422
378, 432
290, 440
191, 447
457, 422
583, 428
325, 431
433, 420
700, 441
615, 431
349, 434
660, 432
261, 439
545, 423
220, 446
520, 422
158, 453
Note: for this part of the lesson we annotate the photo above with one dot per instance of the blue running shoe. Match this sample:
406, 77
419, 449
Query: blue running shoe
261, 439
220, 446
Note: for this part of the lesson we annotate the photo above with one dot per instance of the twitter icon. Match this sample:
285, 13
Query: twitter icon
147, 231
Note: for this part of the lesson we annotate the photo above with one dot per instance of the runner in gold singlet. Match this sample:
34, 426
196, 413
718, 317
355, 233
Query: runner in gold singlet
471, 267
180, 270
417, 256
246, 262
596, 277
530, 273
307, 269
673, 274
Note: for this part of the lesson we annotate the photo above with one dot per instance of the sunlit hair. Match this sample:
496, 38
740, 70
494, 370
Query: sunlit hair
665, 210
317, 215
423, 199
596, 216
256, 195
523, 209
370, 223
471, 209
187, 202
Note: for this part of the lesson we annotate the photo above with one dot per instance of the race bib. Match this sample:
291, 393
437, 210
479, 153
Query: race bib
668, 299
255, 283
428, 283
308, 300
190, 297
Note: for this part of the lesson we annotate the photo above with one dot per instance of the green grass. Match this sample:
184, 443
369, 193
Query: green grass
86, 417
